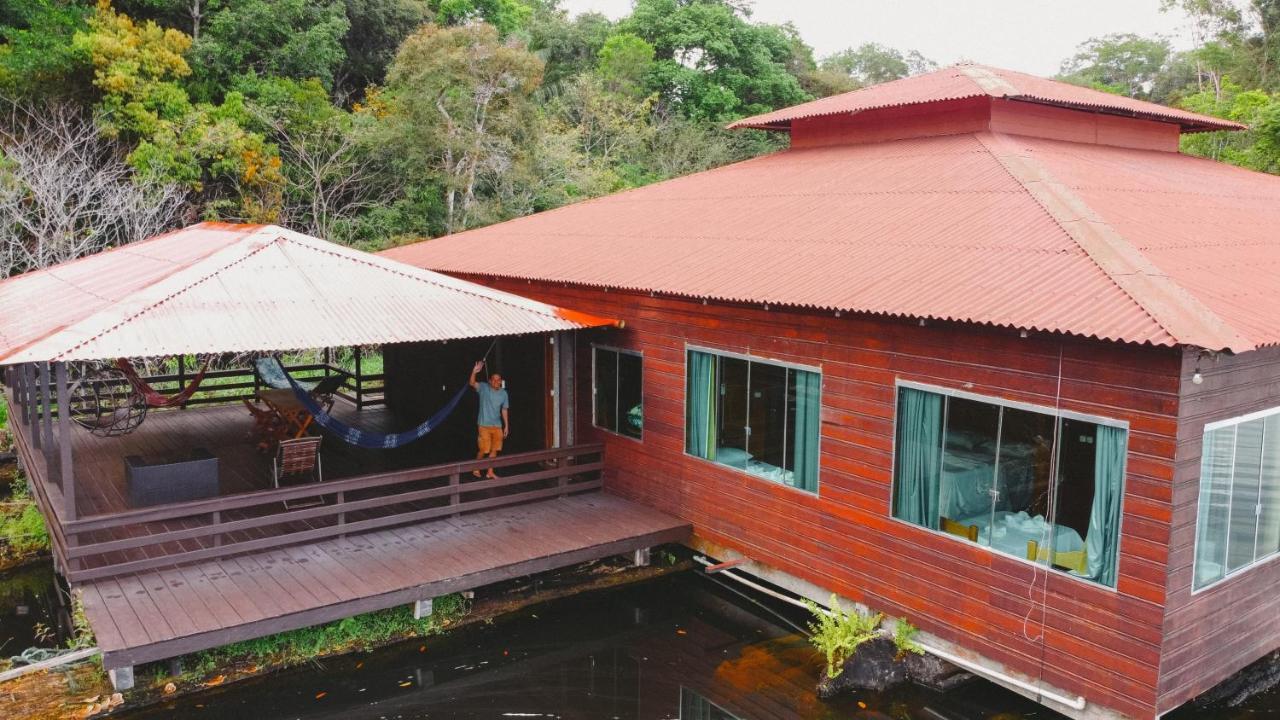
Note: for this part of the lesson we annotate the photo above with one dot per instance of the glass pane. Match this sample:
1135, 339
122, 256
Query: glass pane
1242, 534
804, 418
606, 389
630, 410
1269, 520
969, 467
1213, 508
1076, 487
769, 421
731, 442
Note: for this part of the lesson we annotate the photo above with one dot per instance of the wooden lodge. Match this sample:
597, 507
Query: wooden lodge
980, 350
173, 525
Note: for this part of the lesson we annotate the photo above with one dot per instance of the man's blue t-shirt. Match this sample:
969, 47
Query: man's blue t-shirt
491, 404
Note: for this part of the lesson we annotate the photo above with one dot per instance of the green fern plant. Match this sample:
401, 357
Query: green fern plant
904, 638
838, 633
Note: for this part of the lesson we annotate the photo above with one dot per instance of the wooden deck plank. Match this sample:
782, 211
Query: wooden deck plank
144, 606
96, 612
325, 581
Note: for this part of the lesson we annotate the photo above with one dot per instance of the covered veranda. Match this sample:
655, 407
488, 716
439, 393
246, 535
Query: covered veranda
217, 298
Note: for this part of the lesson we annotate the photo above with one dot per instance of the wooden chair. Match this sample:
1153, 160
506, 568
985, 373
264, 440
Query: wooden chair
951, 527
297, 462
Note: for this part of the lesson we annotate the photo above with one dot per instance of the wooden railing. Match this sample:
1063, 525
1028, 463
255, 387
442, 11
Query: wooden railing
144, 539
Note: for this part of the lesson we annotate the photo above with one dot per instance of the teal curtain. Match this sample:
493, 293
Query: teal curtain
1103, 539
808, 429
918, 448
700, 405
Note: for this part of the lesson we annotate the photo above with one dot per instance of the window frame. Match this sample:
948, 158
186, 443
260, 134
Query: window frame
1235, 422
1057, 414
617, 388
750, 357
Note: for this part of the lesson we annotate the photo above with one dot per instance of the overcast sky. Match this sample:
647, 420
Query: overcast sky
1029, 35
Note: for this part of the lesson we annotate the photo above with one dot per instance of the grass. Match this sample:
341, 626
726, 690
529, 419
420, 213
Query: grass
22, 528
4, 414
362, 632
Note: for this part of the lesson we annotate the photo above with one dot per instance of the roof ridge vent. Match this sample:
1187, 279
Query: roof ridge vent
990, 83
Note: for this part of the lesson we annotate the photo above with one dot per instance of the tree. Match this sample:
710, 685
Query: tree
712, 62
298, 39
567, 47
458, 101
36, 54
377, 27
624, 63
505, 15
872, 63
65, 191
1121, 63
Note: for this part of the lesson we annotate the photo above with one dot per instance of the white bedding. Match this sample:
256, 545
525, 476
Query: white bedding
1013, 530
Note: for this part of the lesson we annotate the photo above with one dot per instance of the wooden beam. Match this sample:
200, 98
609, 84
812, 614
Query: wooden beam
46, 389
64, 442
33, 400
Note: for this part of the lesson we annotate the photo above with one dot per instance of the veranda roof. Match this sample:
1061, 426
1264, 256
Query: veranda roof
216, 288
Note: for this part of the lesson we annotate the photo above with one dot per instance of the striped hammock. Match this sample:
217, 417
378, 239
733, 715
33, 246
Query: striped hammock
366, 438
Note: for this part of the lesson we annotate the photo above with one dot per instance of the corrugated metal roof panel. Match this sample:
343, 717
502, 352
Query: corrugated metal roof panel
971, 80
932, 228
222, 288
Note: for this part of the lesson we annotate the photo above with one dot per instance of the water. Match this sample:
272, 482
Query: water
33, 611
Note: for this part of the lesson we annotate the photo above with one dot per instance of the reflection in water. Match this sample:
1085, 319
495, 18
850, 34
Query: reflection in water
674, 648
32, 611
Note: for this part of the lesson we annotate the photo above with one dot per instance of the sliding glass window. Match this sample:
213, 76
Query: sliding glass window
759, 417
1023, 482
1238, 516
619, 405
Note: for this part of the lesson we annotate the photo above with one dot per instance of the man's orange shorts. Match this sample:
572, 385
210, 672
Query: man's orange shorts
490, 439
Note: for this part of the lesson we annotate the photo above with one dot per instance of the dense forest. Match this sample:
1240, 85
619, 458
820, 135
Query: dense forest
373, 122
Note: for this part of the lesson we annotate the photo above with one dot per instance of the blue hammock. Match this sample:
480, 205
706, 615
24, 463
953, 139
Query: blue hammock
365, 438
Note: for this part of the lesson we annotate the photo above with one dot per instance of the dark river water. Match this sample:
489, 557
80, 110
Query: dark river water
680, 647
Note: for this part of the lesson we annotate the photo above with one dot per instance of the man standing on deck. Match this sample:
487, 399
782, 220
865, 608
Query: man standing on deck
493, 421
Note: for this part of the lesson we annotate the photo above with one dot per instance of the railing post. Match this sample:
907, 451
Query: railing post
33, 399
342, 516
216, 516
563, 481
455, 496
20, 395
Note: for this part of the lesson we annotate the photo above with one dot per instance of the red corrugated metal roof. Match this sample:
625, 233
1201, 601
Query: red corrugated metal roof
242, 288
1097, 241
968, 81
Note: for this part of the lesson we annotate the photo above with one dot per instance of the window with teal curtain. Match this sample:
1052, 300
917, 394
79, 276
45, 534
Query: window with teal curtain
808, 435
1039, 486
701, 395
918, 472
1103, 539
759, 417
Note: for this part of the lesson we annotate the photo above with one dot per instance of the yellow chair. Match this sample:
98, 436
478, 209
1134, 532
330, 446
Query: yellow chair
1075, 560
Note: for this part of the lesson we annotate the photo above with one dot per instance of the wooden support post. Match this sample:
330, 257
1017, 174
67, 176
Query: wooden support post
359, 381
422, 609
32, 414
46, 411
455, 497
216, 520
566, 343
66, 462
38, 393
20, 395
641, 557
342, 516
121, 678
182, 376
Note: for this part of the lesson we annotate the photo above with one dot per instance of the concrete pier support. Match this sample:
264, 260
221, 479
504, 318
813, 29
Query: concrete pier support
422, 609
121, 678
641, 558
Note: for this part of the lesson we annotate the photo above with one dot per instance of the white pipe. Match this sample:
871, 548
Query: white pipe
1076, 703
50, 663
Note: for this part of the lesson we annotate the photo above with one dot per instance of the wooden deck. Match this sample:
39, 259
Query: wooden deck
168, 612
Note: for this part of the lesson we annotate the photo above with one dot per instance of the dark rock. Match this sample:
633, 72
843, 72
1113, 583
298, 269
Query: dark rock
1256, 678
934, 673
877, 666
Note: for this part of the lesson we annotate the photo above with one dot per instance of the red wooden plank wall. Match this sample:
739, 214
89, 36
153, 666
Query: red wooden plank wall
1212, 634
1100, 643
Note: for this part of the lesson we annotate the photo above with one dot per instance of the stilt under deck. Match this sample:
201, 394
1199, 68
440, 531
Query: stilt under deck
159, 614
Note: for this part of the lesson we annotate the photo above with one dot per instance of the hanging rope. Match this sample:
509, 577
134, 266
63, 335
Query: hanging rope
152, 396
366, 438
